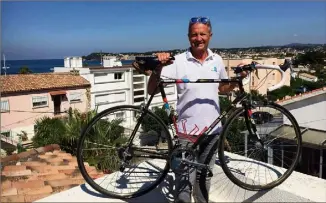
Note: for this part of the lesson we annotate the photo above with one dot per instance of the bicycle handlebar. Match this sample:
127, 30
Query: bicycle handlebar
145, 63
274, 67
253, 66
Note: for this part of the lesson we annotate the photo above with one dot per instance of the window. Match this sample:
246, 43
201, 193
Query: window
100, 78
100, 74
75, 97
110, 98
6, 133
4, 106
40, 101
117, 76
140, 99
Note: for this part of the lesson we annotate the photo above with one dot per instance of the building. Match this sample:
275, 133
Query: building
28, 97
307, 77
267, 78
111, 61
118, 85
309, 111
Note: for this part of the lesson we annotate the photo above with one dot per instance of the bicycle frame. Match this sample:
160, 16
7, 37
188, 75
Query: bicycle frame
203, 135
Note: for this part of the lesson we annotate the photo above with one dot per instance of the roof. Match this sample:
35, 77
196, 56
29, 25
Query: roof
38, 173
277, 128
43, 81
309, 136
303, 96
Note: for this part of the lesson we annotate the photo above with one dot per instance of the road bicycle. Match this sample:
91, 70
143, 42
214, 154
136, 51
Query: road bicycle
244, 128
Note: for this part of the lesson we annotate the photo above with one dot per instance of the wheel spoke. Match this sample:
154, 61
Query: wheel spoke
134, 160
274, 157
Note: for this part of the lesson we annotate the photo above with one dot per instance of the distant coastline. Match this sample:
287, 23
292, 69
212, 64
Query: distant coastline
42, 65
93, 59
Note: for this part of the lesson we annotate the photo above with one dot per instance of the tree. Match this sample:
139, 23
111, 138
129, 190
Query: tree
66, 133
24, 70
310, 57
281, 93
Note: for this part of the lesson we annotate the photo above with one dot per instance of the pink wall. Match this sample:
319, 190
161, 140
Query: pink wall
23, 102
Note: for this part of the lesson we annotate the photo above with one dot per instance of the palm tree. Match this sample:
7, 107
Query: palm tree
48, 131
66, 133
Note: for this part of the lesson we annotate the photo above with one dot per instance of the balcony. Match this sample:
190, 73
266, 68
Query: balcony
138, 78
139, 86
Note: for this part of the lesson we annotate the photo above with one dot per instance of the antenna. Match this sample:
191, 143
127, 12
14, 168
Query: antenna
4, 64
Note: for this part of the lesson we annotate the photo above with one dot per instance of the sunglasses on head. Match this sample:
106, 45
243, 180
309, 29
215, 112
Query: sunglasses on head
203, 20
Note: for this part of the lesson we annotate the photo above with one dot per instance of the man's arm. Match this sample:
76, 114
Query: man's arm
167, 68
226, 87
152, 82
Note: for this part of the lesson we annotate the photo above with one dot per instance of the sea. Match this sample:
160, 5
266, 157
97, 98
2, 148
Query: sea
42, 65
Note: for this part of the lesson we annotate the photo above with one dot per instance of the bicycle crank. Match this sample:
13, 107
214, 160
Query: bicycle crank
184, 160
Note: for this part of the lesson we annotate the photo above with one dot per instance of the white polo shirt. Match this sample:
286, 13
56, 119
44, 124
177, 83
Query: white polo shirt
198, 103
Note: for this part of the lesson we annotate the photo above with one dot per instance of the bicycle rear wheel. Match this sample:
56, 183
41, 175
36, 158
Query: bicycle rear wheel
260, 162
126, 146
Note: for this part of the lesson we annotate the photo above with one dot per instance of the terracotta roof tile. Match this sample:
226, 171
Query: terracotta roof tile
38, 173
44, 81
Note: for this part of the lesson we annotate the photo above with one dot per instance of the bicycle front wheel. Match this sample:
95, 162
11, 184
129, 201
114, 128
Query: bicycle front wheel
265, 155
129, 148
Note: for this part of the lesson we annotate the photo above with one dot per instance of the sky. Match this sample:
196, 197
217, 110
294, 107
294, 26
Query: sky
55, 29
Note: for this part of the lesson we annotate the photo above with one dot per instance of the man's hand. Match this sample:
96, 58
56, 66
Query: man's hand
243, 73
136, 66
164, 58
226, 88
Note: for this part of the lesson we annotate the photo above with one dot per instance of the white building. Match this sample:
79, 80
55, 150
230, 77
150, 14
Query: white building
308, 77
111, 61
74, 62
309, 109
114, 84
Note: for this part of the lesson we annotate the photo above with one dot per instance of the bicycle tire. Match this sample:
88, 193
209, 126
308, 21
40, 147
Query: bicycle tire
92, 183
285, 175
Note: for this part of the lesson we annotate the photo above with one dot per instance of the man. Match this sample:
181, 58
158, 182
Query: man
198, 104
